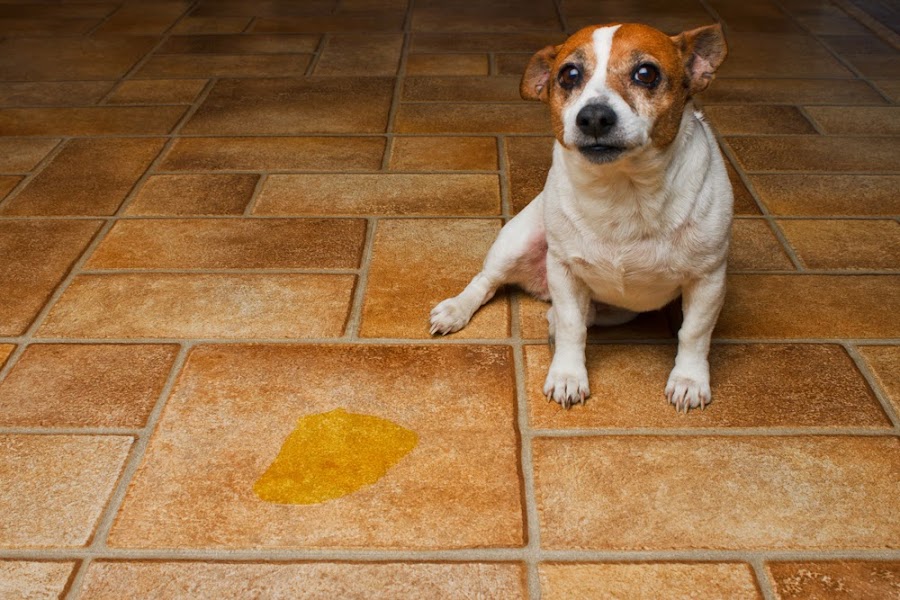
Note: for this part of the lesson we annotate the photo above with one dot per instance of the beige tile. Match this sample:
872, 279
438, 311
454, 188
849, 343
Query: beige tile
231, 244
870, 120
8, 183
381, 194
5, 351
810, 306
884, 363
20, 155
71, 58
824, 195
789, 91
99, 120
648, 581
201, 194
444, 154
387, 581
817, 153
292, 106
844, 244
834, 580
87, 177
212, 25
174, 91
81, 471
754, 247
274, 153
145, 17
753, 119
240, 44
354, 54
36, 257
164, 66
529, 42
84, 385
56, 93
528, 161
439, 117
461, 89
228, 394
817, 386
201, 306
33, 579
741, 493
416, 264
764, 55
447, 64
533, 324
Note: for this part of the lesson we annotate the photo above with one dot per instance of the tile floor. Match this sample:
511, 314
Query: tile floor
217, 217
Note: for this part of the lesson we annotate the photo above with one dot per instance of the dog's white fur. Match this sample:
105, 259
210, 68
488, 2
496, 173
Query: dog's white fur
620, 238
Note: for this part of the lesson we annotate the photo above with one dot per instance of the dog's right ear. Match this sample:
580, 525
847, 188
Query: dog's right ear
536, 80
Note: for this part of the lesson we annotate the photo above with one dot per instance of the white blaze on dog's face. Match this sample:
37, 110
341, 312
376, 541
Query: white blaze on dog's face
616, 88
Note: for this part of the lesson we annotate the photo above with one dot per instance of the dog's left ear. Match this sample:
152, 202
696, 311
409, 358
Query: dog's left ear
536, 79
703, 50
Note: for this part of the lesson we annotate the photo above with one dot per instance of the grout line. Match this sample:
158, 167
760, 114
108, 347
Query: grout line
762, 579
90, 32
812, 121
317, 55
231, 271
354, 320
37, 170
874, 385
785, 245
762, 431
73, 585
254, 197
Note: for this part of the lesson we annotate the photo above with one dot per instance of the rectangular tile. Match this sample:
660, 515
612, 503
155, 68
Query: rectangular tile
8, 183
817, 153
869, 120
752, 119
884, 364
144, 17
754, 247
80, 469
164, 91
231, 244
55, 93
358, 21
789, 91
528, 161
381, 194
650, 325
493, 88
194, 194
240, 44
5, 352
20, 155
100, 120
201, 306
764, 55
844, 244
276, 8
224, 65
447, 64
827, 195
48, 27
212, 25
725, 493
484, 42
444, 154
71, 58
834, 580
34, 579
744, 202
472, 118
497, 16
355, 54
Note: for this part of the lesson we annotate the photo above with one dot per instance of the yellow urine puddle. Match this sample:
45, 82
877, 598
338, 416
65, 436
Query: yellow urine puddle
333, 454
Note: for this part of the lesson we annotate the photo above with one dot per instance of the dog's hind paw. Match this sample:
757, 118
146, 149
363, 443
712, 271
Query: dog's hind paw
449, 316
688, 390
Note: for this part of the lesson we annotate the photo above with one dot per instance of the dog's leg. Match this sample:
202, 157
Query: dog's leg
701, 301
518, 255
567, 381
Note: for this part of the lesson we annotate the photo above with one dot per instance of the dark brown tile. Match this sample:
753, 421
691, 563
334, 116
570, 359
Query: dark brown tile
512, 64
33, 579
8, 184
68, 10
498, 16
871, 120
360, 21
844, 244
224, 65
56, 93
876, 66
20, 155
212, 25
789, 91
472, 118
461, 89
355, 54
834, 580
817, 153
484, 42
240, 44
207, 194
752, 119
890, 87
762, 17
884, 363
274, 8
444, 154
46, 27
100, 120
754, 247
71, 58
837, 22
528, 161
145, 17
447, 64
766, 55
823, 195
175, 91
857, 44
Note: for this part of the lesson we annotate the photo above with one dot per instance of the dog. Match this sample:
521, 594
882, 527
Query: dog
636, 209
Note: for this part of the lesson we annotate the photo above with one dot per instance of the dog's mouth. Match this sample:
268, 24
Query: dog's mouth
601, 153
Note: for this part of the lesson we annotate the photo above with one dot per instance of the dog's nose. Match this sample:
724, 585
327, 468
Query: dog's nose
596, 119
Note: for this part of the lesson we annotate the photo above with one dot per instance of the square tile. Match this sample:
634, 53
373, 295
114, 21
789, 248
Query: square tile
355, 54
834, 580
164, 66
229, 306
81, 470
472, 118
755, 248
55, 93
884, 363
99, 120
459, 487
201, 194
71, 58
752, 119
495, 88
789, 91
717, 492
649, 325
447, 64
528, 161
829, 195
381, 194
444, 154
84, 385
164, 91
240, 44
20, 155
844, 244
870, 120
33, 579
817, 153
417, 263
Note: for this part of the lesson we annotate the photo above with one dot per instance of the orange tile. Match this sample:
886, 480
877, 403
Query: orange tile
56, 93
354, 54
717, 492
647, 581
755, 248
528, 161
71, 58
817, 153
240, 44
844, 244
884, 363
206, 194
292, 106
144, 18
744, 203
33, 579
201, 306
810, 306
224, 65
113, 166
81, 471
228, 394
834, 580
826, 195
441, 117
764, 55
84, 385
212, 25
789, 91
231, 244
753, 119
394, 581
817, 386
36, 257
175, 91
533, 323
871, 120
5, 351
381, 194
447, 64
99, 120
20, 155
274, 153
455, 89
417, 263
444, 154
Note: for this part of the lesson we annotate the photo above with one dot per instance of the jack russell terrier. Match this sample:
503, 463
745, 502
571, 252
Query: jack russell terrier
636, 209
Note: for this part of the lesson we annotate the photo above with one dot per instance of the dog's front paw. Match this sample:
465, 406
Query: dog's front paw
567, 386
688, 388
449, 316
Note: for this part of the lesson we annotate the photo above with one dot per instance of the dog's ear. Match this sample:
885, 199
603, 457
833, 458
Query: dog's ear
703, 50
536, 79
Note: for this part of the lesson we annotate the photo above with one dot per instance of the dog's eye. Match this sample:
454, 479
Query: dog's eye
569, 76
646, 75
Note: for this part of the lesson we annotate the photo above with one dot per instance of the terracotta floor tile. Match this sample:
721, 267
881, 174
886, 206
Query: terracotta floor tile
744, 203
387, 581
447, 64
80, 469
857, 44
884, 363
834, 580
529, 42
207, 194
100, 120
71, 58
472, 118
533, 324
82, 385
291, 106
871, 120
752, 119
528, 161
36, 257
498, 16
891, 87
231, 244
511, 63
844, 244
362, 21
274, 153
20, 155
765, 55
87, 177
174, 91
455, 89
8, 183
763, 17
225, 65
354, 54
144, 18
5, 351
48, 27
648, 581
55, 93
416, 264
810, 306
32, 579
755, 247
444, 154
385, 194
717, 492
240, 44
67, 10
276, 8
829, 195
875, 65
817, 153
229, 394
817, 386
201, 306
212, 25
789, 91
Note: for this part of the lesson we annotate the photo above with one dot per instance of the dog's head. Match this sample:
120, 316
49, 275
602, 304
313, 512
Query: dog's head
619, 88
